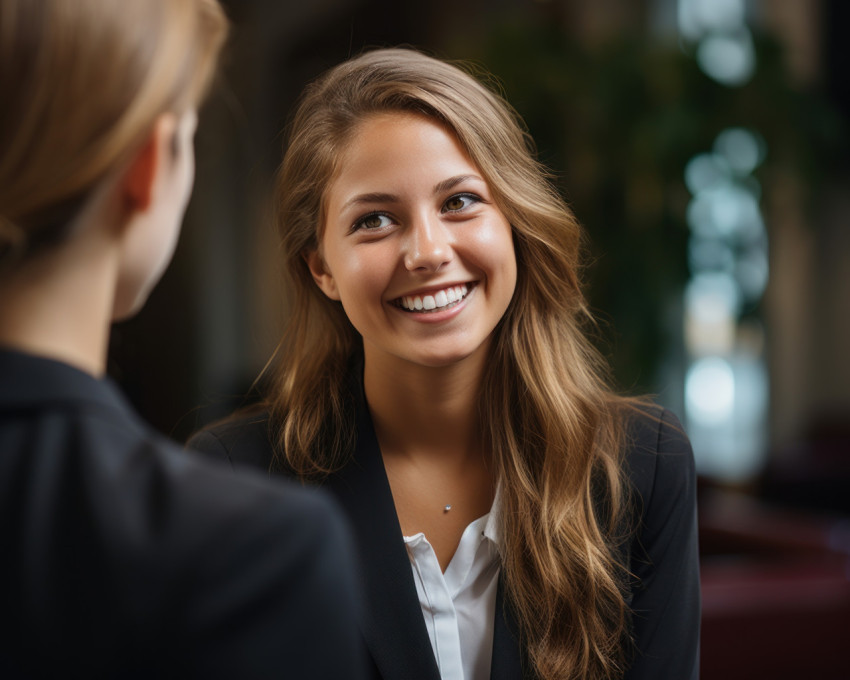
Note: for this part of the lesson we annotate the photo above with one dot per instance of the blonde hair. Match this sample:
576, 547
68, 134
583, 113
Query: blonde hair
82, 82
554, 429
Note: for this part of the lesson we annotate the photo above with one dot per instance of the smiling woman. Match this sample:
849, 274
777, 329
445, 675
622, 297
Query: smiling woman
514, 517
409, 218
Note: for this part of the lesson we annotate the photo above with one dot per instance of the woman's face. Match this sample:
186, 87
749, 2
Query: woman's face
413, 245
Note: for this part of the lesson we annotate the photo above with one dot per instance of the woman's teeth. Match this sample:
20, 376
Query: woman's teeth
439, 300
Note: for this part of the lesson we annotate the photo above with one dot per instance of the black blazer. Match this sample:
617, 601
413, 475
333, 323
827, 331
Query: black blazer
662, 553
122, 556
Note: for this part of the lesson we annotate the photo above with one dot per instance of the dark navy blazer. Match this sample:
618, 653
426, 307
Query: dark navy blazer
124, 556
665, 600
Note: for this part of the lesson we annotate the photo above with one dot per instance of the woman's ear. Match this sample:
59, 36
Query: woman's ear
323, 278
139, 179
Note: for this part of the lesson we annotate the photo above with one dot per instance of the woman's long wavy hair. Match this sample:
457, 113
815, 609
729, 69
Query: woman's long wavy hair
550, 421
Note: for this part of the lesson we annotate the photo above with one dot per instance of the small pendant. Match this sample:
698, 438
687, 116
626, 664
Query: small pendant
447, 508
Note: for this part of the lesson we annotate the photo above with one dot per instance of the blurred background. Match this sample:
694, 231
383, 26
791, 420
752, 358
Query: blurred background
704, 146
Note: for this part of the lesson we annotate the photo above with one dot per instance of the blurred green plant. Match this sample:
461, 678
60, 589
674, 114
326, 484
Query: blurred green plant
617, 123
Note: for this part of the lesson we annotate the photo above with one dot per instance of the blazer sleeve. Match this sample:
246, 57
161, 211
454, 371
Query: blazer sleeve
664, 557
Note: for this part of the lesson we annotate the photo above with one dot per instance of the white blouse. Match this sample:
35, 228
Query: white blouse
459, 605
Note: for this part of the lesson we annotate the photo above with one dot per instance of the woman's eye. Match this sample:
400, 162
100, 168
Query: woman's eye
372, 221
459, 202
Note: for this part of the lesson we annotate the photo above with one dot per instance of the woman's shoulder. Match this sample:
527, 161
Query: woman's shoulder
658, 454
652, 429
242, 439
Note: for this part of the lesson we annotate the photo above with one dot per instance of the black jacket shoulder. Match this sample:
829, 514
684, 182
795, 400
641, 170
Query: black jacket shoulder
126, 556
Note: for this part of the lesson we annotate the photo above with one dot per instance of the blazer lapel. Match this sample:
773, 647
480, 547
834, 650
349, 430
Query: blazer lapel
506, 661
392, 623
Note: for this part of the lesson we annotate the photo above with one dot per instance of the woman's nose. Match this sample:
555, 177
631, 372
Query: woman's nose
428, 245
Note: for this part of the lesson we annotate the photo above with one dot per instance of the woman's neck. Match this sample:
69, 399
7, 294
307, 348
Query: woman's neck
55, 308
428, 428
425, 410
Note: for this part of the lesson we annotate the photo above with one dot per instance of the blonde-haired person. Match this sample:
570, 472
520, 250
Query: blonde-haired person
514, 517
122, 555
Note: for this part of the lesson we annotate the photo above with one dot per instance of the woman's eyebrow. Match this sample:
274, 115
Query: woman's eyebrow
378, 197
370, 198
452, 182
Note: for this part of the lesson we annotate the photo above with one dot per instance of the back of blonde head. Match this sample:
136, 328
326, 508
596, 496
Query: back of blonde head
82, 82
550, 422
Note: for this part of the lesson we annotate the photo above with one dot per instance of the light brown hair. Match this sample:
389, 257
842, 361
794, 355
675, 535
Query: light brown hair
553, 428
82, 82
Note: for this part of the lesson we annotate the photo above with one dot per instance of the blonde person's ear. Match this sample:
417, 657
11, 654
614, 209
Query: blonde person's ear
139, 179
323, 278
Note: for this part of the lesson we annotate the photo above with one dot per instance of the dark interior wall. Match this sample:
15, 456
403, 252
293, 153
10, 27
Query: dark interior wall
836, 52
